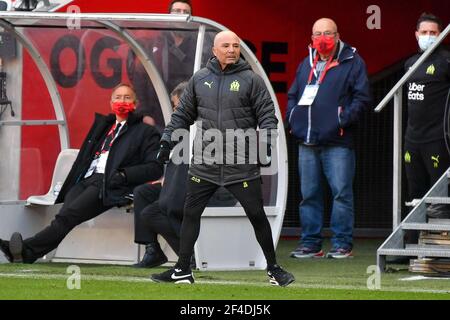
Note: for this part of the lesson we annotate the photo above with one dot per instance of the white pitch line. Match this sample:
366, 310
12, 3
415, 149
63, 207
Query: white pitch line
417, 278
83, 277
240, 283
337, 287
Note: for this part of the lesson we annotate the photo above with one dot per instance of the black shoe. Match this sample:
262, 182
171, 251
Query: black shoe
4, 247
15, 247
153, 257
174, 275
279, 277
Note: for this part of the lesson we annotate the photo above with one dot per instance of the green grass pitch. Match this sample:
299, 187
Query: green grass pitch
317, 279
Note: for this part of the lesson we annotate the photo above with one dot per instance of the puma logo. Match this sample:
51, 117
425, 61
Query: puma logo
435, 161
208, 84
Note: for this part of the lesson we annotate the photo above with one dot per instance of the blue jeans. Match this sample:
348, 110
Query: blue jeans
338, 167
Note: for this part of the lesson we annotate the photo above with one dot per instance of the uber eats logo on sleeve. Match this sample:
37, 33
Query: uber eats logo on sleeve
415, 91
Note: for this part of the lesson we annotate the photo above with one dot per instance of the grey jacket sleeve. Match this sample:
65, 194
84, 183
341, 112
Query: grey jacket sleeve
184, 115
263, 106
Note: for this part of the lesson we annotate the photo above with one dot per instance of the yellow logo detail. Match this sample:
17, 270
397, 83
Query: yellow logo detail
195, 179
407, 157
245, 184
235, 86
435, 161
431, 69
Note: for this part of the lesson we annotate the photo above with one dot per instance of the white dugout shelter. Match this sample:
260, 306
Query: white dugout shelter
226, 240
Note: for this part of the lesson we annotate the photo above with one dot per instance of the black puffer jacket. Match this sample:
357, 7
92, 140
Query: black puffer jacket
233, 98
134, 151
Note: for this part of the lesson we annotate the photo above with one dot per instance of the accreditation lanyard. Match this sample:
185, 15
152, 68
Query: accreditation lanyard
324, 72
310, 92
110, 137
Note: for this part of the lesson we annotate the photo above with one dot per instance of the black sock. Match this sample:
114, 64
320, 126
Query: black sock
184, 263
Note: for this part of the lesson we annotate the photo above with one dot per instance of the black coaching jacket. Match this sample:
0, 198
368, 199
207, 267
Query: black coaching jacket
220, 100
427, 94
133, 151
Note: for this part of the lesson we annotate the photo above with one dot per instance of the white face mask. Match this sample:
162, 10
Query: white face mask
426, 41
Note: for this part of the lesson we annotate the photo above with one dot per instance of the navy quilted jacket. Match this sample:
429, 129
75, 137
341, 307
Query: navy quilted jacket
340, 101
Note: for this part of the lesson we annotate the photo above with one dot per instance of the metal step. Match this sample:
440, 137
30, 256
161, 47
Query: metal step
417, 220
432, 252
427, 247
440, 200
427, 226
439, 221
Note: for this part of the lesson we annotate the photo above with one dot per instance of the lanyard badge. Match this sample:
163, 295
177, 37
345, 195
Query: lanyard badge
309, 94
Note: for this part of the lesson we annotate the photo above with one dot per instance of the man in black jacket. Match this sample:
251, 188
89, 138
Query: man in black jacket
225, 96
173, 53
118, 154
426, 155
158, 207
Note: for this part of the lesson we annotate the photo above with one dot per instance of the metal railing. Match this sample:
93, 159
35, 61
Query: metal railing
396, 93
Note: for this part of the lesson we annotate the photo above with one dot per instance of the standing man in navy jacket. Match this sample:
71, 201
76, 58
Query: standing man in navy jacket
326, 100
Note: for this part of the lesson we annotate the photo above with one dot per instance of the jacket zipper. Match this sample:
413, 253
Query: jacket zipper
308, 134
219, 117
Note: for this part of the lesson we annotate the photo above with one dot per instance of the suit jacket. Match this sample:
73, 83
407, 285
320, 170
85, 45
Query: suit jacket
133, 151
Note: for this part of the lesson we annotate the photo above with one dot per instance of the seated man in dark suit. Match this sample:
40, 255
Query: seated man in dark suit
118, 154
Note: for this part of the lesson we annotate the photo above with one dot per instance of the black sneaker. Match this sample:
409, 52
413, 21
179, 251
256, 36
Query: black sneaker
174, 275
340, 253
279, 277
15, 246
4, 247
305, 252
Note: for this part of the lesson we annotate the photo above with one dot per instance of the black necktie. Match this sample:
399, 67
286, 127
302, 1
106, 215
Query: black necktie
109, 138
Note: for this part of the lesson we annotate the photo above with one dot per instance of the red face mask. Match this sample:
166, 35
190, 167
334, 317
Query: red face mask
123, 108
324, 45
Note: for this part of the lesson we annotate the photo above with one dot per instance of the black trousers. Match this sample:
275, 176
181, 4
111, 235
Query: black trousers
158, 222
248, 193
144, 196
82, 203
425, 163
